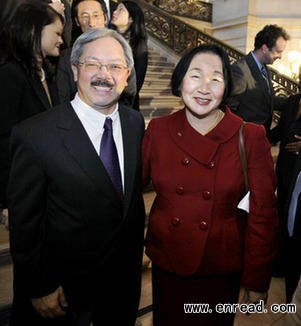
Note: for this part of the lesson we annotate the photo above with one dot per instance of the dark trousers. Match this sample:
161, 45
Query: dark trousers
109, 298
292, 266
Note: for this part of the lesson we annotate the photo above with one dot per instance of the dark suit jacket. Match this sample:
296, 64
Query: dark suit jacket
297, 225
21, 96
287, 128
250, 98
194, 224
66, 221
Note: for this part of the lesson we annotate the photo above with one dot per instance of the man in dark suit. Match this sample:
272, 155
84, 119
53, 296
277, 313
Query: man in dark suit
293, 241
75, 200
253, 96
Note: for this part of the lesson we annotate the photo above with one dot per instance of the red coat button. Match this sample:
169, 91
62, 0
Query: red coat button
206, 194
185, 161
175, 221
179, 133
203, 225
211, 165
180, 190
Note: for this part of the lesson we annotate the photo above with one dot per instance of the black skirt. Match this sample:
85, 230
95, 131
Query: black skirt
171, 292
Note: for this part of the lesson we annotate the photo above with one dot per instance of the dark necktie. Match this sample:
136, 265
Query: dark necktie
265, 77
109, 156
293, 206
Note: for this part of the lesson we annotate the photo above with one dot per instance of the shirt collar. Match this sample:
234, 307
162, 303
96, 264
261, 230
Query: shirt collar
259, 64
96, 118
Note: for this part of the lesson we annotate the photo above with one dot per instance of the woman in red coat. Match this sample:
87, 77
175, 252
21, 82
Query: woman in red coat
202, 247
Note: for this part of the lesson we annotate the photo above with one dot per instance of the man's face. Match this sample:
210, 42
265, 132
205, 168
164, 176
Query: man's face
90, 15
101, 74
271, 55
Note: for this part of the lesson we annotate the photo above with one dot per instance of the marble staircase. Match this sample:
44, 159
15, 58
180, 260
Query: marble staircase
156, 98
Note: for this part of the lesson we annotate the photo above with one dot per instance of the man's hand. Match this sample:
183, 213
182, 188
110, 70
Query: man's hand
51, 305
294, 147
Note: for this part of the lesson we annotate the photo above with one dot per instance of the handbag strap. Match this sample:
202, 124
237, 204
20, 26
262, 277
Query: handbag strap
243, 156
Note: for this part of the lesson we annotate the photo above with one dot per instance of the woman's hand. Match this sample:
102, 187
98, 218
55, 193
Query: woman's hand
254, 297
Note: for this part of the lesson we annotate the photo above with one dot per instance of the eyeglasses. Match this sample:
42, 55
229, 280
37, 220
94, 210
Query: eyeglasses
94, 66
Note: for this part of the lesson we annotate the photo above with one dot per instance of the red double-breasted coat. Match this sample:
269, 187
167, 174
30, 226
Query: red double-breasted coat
195, 226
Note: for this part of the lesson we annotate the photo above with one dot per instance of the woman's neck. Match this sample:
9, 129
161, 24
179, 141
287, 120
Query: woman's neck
204, 124
123, 29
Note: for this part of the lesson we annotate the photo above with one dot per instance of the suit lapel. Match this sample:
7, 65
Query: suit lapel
258, 77
40, 92
129, 137
77, 142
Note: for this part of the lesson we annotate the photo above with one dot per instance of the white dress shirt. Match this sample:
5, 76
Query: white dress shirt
93, 122
107, 3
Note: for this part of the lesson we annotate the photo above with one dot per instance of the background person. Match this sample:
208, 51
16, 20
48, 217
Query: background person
27, 85
253, 97
201, 247
128, 19
288, 133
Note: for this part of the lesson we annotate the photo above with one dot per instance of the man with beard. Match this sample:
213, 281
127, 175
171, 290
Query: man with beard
75, 199
253, 97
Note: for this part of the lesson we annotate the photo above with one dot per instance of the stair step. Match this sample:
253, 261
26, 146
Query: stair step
149, 81
159, 105
161, 112
162, 98
154, 92
159, 70
4, 253
160, 63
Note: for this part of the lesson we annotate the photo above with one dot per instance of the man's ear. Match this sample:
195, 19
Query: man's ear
75, 72
76, 21
129, 72
264, 48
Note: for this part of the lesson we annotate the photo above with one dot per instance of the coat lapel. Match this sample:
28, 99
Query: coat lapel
78, 143
258, 77
130, 147
40, 92
189, 140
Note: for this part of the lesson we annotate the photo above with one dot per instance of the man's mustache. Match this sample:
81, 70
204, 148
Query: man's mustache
100, 82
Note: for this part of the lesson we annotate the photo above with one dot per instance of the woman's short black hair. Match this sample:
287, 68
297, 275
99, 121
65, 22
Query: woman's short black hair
184, 63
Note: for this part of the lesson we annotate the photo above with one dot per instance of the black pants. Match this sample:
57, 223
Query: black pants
292, 266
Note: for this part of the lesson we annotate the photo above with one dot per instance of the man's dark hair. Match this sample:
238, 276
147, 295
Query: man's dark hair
269, 35
76, 30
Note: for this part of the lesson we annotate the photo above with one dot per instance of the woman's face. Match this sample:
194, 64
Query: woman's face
203, 85
121, 16
52, 39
